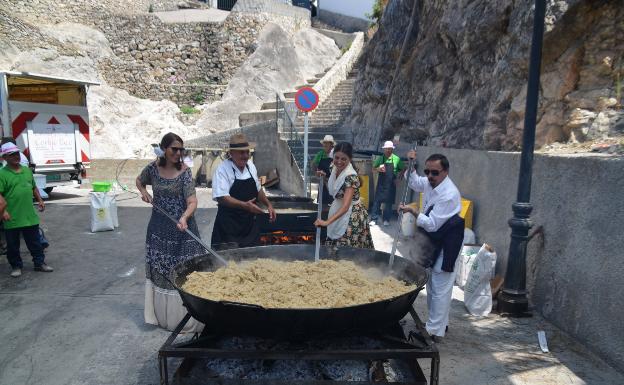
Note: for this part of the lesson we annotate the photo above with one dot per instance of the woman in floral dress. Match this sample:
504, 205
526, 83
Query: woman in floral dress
167, 243
347, 221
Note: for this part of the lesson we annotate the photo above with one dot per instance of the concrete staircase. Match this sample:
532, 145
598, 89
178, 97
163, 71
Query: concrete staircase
328, 118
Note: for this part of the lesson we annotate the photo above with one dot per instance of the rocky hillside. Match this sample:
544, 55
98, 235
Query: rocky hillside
462, 78
143, 63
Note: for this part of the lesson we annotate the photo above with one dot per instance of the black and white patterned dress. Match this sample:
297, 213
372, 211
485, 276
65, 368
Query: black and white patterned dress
166, 246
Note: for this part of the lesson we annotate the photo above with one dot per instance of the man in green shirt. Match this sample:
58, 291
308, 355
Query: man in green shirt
17, 187
388, 165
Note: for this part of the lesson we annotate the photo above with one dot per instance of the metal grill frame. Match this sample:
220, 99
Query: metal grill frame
417, 345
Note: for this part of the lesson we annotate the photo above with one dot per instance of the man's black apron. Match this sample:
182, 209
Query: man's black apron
235, 228
325, 166
385, 191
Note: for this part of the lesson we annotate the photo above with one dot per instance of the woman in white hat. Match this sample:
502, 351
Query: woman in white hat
236, 188
323, 162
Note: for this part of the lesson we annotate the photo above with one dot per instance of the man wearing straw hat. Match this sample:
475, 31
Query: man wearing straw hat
323, 161
236, 188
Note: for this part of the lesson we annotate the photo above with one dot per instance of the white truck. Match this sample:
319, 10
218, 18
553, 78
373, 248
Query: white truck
48, 119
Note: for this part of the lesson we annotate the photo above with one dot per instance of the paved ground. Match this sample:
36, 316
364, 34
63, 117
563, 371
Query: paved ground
193, 16
83, 324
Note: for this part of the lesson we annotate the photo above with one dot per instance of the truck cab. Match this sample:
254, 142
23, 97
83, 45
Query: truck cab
48, 119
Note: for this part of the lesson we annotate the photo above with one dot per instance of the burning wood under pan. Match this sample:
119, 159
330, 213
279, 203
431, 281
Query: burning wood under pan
282, 237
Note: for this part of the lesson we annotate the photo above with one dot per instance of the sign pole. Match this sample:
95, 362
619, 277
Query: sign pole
306, 100
305, 155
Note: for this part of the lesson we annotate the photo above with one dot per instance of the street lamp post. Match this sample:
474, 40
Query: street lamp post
513, 299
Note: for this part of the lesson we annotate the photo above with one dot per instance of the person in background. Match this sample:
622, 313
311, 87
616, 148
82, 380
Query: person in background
166, 242
389, 166
323, 161
347, 221
236, 188
441, 222
23, 159
17, 187
26, 163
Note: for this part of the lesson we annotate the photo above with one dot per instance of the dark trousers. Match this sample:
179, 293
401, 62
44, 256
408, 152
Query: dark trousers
31, 237
388, 202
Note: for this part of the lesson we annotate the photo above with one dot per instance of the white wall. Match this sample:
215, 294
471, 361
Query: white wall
353, 8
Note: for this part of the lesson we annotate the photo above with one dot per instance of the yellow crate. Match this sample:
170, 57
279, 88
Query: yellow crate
364, 190
466, 210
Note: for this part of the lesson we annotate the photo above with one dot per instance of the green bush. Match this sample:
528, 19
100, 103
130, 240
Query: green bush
378, 8
188, 110
151, 8
198, 98
345, 48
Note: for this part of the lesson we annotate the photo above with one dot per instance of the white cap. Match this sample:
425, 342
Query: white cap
388, 144
8, 148
328, 138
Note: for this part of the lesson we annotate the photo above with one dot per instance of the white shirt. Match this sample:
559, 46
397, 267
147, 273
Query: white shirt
445, 199
225, 175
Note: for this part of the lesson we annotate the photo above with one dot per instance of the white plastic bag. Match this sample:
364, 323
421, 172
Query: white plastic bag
469, 237
477, 291
101, 218
464, 263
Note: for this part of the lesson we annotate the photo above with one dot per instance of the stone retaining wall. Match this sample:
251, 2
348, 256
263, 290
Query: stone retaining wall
189, 63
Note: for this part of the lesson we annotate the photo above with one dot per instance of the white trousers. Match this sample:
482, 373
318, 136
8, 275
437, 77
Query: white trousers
439, 297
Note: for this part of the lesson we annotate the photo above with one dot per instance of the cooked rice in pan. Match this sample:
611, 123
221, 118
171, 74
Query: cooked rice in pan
298, 284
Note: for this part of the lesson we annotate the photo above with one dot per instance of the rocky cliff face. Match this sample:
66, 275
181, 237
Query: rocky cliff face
462, 78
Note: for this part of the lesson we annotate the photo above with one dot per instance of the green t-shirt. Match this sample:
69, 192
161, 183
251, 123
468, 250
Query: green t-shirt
394, 160
17, 190
319, 155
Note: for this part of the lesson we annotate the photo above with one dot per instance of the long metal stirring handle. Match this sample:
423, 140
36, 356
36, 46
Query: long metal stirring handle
195, 237
317, 248
403, 199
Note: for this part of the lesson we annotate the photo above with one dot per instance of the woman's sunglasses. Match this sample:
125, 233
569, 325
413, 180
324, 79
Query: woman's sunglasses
176, 149
432, 172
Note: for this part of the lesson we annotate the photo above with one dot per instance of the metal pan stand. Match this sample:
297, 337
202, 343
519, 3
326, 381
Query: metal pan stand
394, 342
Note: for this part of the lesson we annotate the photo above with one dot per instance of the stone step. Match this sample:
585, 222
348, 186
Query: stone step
316, 136
341, 92
325, 130
322, 118
339, 98
329, 110
290, 94
320, 75
247, 118
313, 80
269, 106
333, 110
319, 122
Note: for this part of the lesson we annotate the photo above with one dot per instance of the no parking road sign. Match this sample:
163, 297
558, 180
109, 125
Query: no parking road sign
306, 99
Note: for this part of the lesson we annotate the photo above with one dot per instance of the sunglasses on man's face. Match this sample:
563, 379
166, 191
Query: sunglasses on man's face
176, 149
432, 172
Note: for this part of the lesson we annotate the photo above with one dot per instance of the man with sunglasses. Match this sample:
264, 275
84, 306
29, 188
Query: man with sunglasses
440, 220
